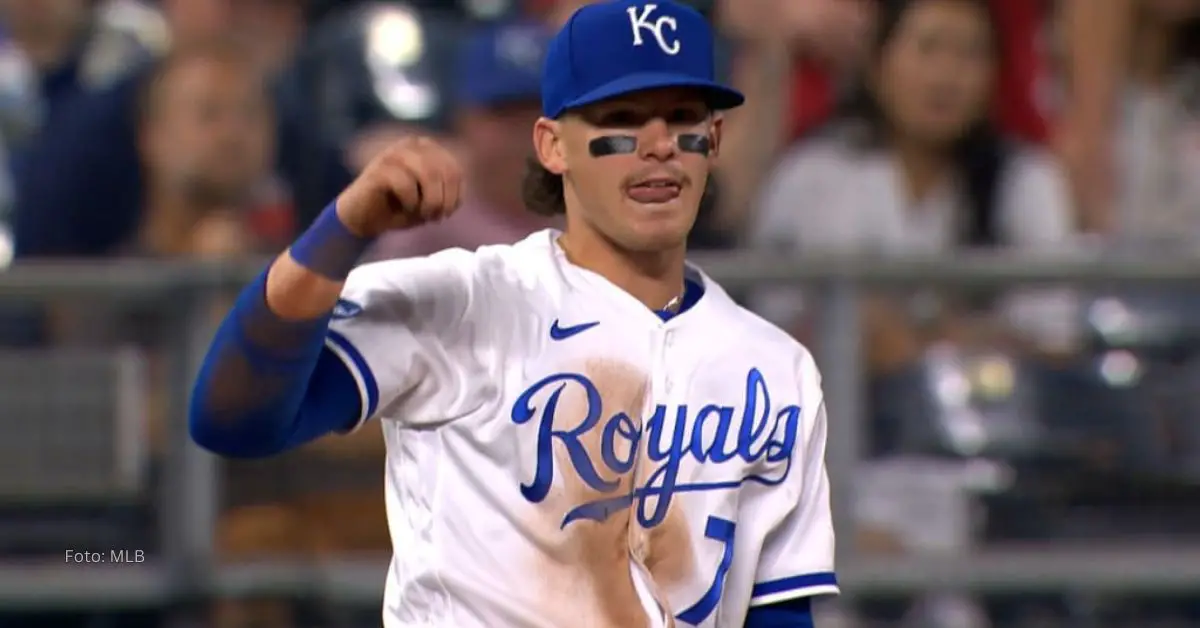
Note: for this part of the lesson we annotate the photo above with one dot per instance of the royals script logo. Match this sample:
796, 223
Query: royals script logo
735, 435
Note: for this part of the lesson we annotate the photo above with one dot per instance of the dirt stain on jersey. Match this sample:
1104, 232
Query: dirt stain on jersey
586, 574
668, 554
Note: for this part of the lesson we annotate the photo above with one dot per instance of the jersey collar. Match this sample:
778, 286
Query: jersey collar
696, 286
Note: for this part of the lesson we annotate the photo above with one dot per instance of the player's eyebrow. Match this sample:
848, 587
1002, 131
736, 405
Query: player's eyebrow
637, 114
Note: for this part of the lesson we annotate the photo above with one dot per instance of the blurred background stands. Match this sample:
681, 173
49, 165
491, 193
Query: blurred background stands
980, 213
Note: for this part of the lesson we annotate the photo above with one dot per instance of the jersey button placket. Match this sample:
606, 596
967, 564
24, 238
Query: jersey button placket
663, 395
668, 342
636, 537
660, 386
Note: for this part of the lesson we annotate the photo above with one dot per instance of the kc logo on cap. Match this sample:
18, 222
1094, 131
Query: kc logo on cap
641, 22
619, 47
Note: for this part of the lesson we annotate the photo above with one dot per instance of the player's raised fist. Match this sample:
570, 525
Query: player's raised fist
410, 183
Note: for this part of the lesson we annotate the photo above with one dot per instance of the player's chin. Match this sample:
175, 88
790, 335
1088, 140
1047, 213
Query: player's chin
674, 211
657, 226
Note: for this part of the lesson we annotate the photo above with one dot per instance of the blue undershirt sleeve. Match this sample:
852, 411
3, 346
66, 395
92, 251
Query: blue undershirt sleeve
794, 613
268, 384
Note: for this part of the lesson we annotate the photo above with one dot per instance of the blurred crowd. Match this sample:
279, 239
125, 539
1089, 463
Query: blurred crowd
217, 129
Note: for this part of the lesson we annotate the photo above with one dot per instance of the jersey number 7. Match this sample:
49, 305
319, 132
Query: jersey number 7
720, 530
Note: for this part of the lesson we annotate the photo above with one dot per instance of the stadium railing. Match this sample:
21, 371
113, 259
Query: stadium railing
188, 498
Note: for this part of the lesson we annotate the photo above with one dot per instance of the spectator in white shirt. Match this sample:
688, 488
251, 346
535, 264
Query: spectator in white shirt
1157, 205
913, 166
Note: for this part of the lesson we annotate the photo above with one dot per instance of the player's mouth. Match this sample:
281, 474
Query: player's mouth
655, 190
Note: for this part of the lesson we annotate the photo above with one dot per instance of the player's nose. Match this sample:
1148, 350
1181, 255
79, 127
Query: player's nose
656, 141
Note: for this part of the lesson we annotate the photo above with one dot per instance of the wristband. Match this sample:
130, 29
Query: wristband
327, 247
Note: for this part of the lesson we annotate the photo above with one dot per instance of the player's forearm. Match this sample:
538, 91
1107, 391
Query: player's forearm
304, 282
295, 293
262, 388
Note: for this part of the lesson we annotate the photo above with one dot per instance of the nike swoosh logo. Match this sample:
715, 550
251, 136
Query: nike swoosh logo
562, 333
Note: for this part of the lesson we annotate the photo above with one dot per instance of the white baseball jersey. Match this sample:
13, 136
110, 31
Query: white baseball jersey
559, 455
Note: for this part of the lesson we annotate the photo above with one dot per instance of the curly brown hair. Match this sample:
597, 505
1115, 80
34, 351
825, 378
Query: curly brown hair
542, 190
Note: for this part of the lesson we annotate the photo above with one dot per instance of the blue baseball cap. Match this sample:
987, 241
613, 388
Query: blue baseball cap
502, 64
621, 46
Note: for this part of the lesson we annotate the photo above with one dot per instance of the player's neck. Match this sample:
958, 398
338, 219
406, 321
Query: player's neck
655, 278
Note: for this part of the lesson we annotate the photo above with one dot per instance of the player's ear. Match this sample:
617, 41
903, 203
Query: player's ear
548, 144
714, 135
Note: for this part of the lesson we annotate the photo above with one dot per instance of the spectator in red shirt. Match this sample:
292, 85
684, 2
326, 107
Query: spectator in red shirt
771, 35
810, 44
1022, 107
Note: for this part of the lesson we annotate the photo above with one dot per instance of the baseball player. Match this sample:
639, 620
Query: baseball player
582, 429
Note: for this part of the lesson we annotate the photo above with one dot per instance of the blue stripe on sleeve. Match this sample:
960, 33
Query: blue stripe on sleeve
353, 359
794, 583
